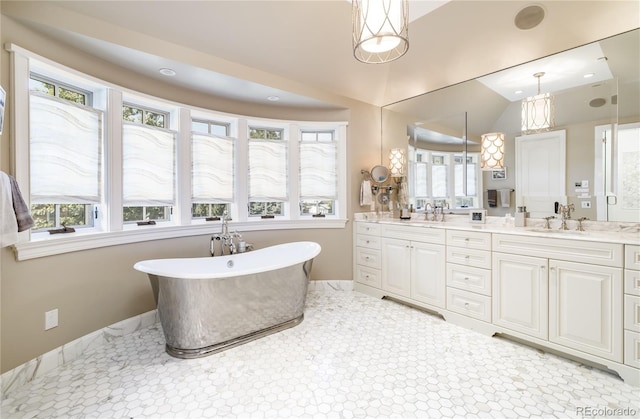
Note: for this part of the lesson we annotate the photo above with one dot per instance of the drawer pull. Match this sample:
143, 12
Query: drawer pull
466, 278
466, 239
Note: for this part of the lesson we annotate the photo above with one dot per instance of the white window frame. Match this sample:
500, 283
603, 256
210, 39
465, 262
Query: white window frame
109, 228
451, 196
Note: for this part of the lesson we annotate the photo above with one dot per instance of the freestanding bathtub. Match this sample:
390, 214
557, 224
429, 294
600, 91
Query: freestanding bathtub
210, 304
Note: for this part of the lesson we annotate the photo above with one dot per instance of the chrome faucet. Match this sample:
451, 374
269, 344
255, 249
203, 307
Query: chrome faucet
565, 211
442, 208
580, 220
426, 211
225, 237
547, 220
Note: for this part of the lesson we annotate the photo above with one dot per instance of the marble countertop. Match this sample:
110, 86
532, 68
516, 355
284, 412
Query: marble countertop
601, 231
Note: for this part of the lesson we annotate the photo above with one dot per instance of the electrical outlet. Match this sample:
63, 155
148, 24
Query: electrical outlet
586, 204
51, 319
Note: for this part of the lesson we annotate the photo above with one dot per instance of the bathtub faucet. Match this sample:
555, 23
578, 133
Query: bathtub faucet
226, 237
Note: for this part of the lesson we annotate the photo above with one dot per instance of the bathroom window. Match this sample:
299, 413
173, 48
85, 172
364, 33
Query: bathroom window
153, 172
439, 176
318, 171
211, 127
212, 169
148, 165
470, 198
268, 172
65, 154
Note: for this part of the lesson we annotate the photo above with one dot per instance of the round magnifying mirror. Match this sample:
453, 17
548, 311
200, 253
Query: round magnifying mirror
380, 173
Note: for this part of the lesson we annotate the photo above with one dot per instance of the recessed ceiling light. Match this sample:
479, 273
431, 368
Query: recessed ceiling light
589, 75
273, 98
517, 92
167, 72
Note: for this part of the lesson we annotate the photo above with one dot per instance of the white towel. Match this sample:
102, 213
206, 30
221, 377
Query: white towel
8, 223
505, 197
366, 197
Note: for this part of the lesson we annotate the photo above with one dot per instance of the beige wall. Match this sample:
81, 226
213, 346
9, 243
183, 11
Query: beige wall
95, 288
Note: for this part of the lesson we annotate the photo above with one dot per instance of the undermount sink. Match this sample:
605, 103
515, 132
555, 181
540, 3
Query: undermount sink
555, 231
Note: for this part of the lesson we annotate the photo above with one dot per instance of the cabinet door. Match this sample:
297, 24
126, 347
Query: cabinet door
428, 273
520, 289
585, 308
396, 265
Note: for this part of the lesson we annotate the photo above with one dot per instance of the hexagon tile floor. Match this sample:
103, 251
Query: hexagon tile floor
352, 356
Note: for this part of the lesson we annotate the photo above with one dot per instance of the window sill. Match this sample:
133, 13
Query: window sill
73, 242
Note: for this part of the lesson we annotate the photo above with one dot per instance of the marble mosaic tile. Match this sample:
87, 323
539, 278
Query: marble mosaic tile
353, 356
57, 357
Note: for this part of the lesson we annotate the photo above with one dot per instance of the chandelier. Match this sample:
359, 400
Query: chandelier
538, 111
380, 30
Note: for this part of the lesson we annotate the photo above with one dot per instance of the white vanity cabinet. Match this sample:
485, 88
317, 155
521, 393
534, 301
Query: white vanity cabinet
367, 254
413, 263
469, 273
632, 306
520, 289
584, 282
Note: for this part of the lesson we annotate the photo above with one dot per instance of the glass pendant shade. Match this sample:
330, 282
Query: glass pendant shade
380, 30
397, 162
538, 111
492, 151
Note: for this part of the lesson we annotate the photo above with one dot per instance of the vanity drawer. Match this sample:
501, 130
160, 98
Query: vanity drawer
632, 348
368, 276
469, 278
469, 257
368, 257
632, 257
368, 228
632, 313
469, 303
631, 282
370, 242
420, 234
580, 251
469, 239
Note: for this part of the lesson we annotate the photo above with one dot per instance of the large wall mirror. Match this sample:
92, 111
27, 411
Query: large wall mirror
595, 88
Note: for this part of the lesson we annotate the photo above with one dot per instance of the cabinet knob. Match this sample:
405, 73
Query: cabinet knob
466, 278
542, 267
466, 305
366, 258
368, 242
466, 239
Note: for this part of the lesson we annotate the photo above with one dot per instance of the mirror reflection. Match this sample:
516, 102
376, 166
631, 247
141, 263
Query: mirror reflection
595, 90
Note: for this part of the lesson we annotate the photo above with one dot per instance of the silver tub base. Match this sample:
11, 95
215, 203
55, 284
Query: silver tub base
200, 317
231, 343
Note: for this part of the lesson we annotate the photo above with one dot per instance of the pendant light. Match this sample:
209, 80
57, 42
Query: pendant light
538, 111
380, 30
492, 151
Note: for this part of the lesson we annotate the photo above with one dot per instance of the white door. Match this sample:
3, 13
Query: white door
585, 308
520, 288
540, 172
428, 273
396, 265
625, 204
